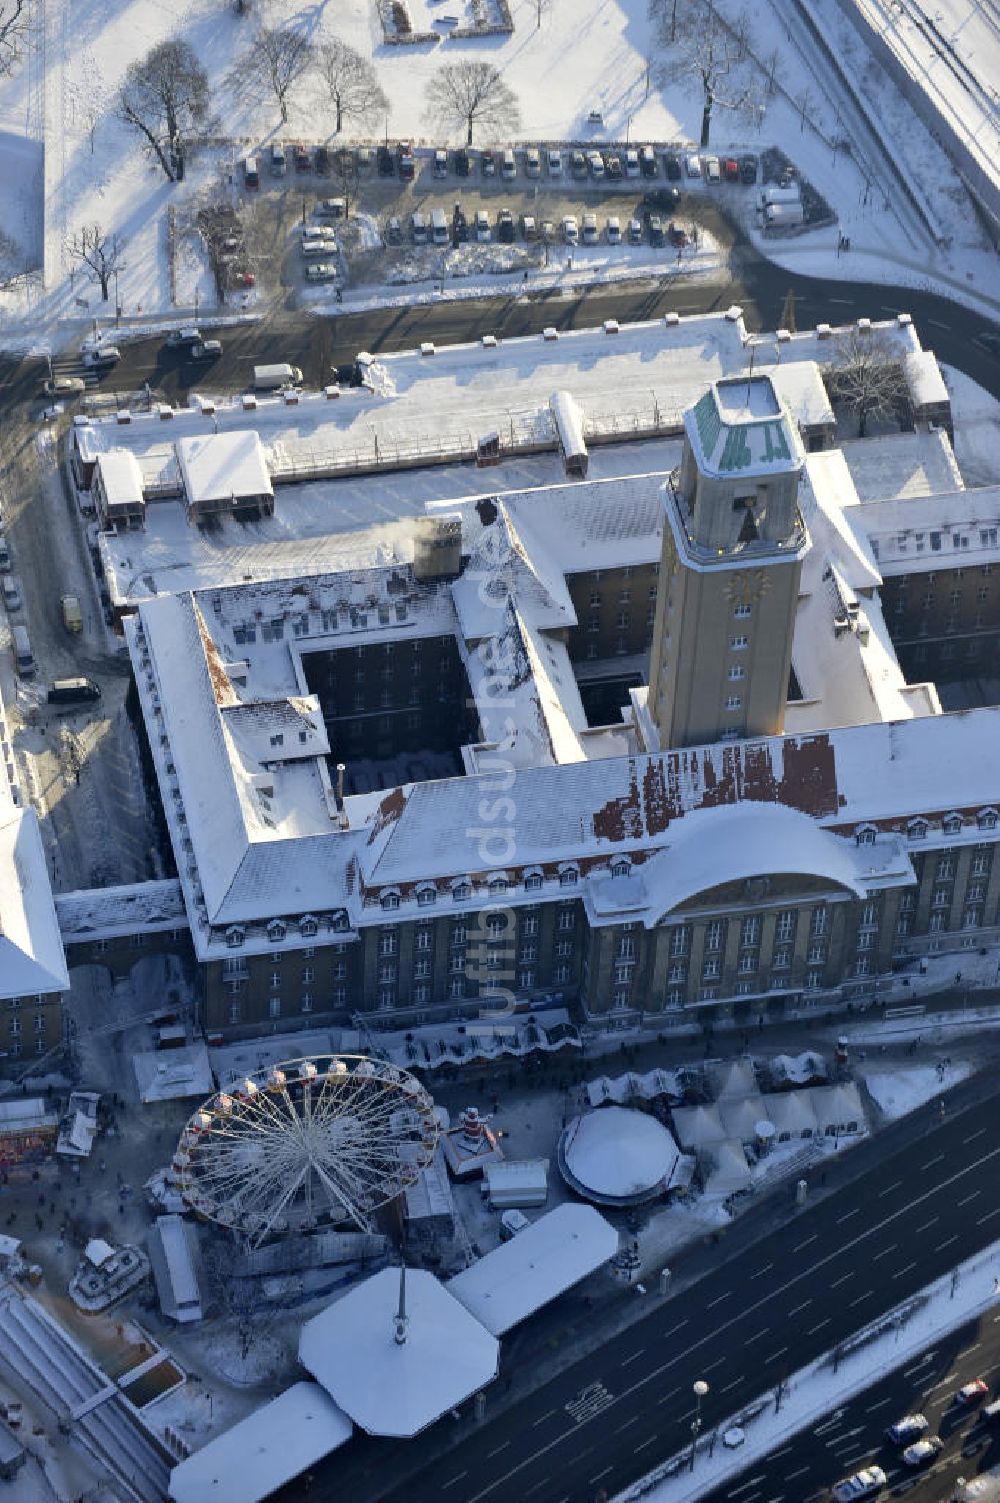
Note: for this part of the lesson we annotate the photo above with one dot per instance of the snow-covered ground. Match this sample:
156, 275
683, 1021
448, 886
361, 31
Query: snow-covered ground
818, 1389
587, 57
899, 1092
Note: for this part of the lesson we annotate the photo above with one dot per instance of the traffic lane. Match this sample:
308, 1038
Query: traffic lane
806, 1466
626, 1366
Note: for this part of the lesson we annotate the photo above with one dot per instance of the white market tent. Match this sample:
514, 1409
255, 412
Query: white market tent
547, 1258
740, 1118
615, 1156
838, 1108
267, 1449
390, 1387
725, 1169
698, 1126
735, 1078
793, 1114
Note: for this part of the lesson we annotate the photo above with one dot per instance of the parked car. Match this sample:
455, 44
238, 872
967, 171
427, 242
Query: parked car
532, 162
322, 160
692, 164
508, 165
321, 246
595, 164
483, 231
748, 169
677, 237
864, 1484
589, 232
72, 616
554, 163
664, 200
6, 563
972, 1393
407, 163
65, 691
321, 271
394, 231
386, 162
578, 164
570, 229
242, 278
10, 589
731, 170
672, 166
631, 163
64, 386
303, 158
613, 167
713, 172
505, 227
614, 230
908, 1429
634, 232
330, 208
923, 1452
488, 164
547, 232
49, 414
459, 227
529, 227
440, 162
419, 229
278, 161
208, 349
647, 161
656, 232
102, 357
462, 162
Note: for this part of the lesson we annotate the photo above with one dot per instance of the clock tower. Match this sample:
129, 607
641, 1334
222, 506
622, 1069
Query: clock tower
733, 544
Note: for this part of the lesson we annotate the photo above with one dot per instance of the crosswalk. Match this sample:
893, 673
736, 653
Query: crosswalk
70, 364
589, 1402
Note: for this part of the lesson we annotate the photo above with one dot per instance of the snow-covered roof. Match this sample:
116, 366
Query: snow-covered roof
31, 952
740, 1118
924, 379
725, 1168
944, 531
792, 1112
121, 478
698, 1126
173, 1252
173, 1074
109, 912
223, 467
837, 1105
390, 1387
899, 466
616, 1156
734, 1078
544, 1260
275, 1443
741, 424
98, 1252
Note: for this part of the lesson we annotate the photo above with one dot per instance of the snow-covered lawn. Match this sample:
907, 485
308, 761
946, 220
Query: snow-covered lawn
904, 1091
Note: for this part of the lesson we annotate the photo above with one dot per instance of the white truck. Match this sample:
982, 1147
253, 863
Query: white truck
274, 377
783, 216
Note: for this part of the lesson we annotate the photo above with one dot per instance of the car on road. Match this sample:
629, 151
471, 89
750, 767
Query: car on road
66, 691
923, 1452
647, 162
692, 164
208, 349
505, 227
907, 1429
553, 163
595, 163
972, 1393
482, 223
441, 162
867, 1483
578, 164
321, 271
529, 227
72, 616
187, 334
589, 232
10, 589
547, 232
748, 169
64, 386
570, 229
532, 162
672, 166
614, 230
102, 357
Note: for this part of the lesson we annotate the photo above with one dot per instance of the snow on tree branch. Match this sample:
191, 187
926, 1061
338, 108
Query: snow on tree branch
471, 94
165, 99
104, 254
351, 83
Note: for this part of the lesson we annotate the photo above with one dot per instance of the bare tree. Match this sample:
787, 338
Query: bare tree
165, 98
13, 26
351, 82
867, 376
470, 94
103, 253
347, 176
715, 53
803, 103
275, 62
542, 8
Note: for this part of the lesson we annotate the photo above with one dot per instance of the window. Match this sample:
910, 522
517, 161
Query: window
986, 819
750, 930
980, 864
529, 952
426, 896
274, 1007
15, 1026
422, 992
421, 968
620, 868
736, 673
869, 916
952, 824
309, 953
739, 644
865, 835
458, 935
817, 953
675, 996
532, 881
308, 973
972, 917
235, 1008
733, 702
564, 947
595, 598
390, 900
496, 924
306, 1002
782, 957
529, 923
457, 965
623, 975
461, 891
423, 939
678, 971
275, 979
713, 935
626, 948
680, 940
937, 922
941, 898
747, 962
526, 980
568, 876
620, 1002
561, 974
866, 939
862, 965
742, 612
904, 924
566, 919
456, 989
710, 969
340, 970
386, 997
593, 624
387, 942
917, 829
784, 929
814, 980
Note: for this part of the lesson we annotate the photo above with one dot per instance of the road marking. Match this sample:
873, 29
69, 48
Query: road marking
842, 1280
973, 1136
775, 1355
872, 1232
733, 1491
909, 1267
804, 1306
668, 1396
889, 1188
974, 1196
783, 1452
498, 1449
714, 1302
848, 1214
732, 1384
989, 1215
765, 1332
761, 1271
880, 1405
866, 1295
884, 1253
589, 1402
454, 1480
645, 1443
800, 1473
937, 1159
607, 1471
800, 1245
544, 1417
628, 1424
927, 1224
635, 1355
947, 1243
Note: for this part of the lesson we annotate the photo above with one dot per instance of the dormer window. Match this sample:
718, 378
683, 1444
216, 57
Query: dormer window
498, 885
917, 829
341, 922
235, 936
461, 892
532, 881
390, 899
952, 824
568, 876
986, 819
308, 926
426, 895
621, 868
865, 835
276, 931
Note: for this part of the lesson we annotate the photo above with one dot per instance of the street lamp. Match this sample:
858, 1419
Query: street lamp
700, 1390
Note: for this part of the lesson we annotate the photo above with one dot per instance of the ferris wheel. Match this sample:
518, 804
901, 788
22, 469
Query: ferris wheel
308, 1142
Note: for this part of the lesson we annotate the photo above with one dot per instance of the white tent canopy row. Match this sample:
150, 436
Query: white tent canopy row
817, 1111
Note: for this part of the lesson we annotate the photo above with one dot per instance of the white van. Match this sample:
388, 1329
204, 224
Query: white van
439, 227
24, 660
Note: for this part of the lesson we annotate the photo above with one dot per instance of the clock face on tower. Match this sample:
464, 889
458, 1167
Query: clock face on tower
747, 586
